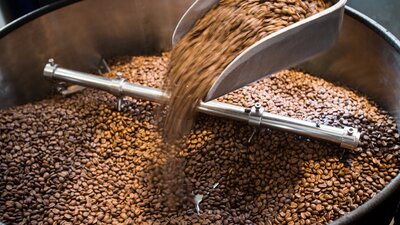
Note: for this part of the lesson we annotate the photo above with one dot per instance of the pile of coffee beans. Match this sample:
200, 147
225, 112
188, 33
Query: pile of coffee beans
77, 160
214, 42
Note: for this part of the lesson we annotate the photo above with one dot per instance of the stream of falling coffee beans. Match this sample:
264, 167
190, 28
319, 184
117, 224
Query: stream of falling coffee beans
77, 160
214, 41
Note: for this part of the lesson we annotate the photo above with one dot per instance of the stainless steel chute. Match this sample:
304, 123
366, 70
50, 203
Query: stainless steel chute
287, 47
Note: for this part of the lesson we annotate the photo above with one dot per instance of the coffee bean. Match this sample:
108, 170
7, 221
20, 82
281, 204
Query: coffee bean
213, 42
130, 176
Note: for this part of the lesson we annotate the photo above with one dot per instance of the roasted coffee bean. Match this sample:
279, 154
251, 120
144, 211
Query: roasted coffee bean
77, 160
214, 42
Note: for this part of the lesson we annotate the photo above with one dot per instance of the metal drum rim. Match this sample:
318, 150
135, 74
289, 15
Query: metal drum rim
352, 216
17, 23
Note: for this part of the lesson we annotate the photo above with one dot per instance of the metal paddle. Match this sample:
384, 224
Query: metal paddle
282, 49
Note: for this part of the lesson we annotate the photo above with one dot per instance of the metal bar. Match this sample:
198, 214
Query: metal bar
347, 137
71, 90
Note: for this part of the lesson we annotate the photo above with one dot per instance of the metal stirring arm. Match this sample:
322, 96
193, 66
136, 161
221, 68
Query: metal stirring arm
285, 48
347, 137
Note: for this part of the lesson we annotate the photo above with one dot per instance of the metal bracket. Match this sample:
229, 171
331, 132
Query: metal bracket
66, 90
252, 135
62, 87
103, 66
50, 68
255, 114
350, 136
119, 81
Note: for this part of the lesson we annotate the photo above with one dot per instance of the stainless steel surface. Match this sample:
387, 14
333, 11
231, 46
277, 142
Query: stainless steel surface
71, 90
117, 86
385, 12
197, 10
345, 138
366, 58
373, 69
79, 35
285, 48
364, 61
254, 116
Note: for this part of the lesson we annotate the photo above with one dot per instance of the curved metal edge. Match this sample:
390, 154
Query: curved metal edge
375, 26
360, 17
250, 51
185, 22
15, 24
394, 184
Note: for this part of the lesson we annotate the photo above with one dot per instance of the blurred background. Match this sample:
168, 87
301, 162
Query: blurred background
385, 12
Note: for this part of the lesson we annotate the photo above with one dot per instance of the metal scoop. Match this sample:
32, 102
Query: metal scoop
285, 48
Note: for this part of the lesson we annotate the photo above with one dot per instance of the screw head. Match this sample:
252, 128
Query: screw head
119, 74
350, 131
51, 62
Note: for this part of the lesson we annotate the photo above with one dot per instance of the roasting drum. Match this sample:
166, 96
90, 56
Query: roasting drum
80, 33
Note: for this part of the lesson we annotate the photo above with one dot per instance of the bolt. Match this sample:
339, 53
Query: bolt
119, 75
257, 106
350, 131
51, 62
